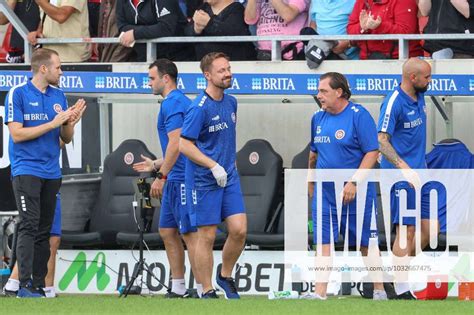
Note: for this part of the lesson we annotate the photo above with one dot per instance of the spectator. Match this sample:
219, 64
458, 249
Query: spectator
147, 19
65, 19
384, 17
330, 17
93, 7
456, 17
28, 13
221, 18
189, 7
108, 28
278, 17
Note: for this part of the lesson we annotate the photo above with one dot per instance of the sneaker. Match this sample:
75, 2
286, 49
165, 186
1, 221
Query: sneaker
228, 286
211, 294
10, 293
191, 294
379, 295
29, 292
172, 295
49, 293
406, 296
315, 296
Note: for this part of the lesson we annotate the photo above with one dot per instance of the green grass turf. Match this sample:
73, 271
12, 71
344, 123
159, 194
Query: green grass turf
109, 304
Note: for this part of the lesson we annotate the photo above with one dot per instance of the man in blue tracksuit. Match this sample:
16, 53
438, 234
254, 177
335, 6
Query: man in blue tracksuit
38, 117
402, 139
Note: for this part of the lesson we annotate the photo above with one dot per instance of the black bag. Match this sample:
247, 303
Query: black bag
366, 289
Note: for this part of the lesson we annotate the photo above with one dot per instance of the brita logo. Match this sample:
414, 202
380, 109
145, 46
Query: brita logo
85, 274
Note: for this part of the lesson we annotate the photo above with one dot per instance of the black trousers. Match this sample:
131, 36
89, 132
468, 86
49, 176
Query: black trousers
36, 202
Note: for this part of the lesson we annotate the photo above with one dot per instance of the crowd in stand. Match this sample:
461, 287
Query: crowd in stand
132, 20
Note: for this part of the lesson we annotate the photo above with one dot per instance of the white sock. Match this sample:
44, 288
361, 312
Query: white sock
12, 285
401, 287
199, 289
178, 286
50, 292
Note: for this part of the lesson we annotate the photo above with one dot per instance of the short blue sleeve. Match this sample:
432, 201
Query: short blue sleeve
389, 113
14, 106
193, 122
366, 132
174, 117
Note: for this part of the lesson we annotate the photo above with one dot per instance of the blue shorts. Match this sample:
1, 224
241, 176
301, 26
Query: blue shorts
410, 203
348, 218
56, 226
211, 207
174, 211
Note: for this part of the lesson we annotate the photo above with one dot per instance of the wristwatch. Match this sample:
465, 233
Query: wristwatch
160, 175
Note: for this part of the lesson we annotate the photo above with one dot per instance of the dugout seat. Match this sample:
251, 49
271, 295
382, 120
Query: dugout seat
261, 172
113, 212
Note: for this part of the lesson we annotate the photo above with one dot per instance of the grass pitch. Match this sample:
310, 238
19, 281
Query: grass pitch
111, 304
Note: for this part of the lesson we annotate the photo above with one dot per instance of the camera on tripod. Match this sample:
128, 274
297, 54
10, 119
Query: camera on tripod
142, 191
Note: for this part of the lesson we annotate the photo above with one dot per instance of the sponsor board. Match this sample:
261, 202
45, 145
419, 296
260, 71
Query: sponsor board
288, 84
91, 271
257, 272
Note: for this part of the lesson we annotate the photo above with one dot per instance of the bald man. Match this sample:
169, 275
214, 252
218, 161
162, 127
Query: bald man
402, 142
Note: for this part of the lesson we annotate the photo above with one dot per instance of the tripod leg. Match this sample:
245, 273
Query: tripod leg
136, 272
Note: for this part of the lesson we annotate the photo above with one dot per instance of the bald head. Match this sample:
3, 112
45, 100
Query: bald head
417, 74
415, 66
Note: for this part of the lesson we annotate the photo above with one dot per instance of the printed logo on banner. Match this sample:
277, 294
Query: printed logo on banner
361, 85
201, 83
256, 84
471, 84
85, 274
145, 81
99, 82
10, 80
312, 84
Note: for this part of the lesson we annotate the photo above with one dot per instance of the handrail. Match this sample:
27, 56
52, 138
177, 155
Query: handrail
275, 39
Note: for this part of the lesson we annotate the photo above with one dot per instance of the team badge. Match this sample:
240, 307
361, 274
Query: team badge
340, 134
57, 108
254, 158
233, 117
128, 158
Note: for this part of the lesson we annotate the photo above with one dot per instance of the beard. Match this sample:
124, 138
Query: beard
224, 84
421, 89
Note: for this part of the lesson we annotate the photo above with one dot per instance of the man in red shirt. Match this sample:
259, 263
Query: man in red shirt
384, 17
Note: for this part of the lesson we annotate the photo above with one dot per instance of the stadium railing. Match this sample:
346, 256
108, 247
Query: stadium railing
402, 39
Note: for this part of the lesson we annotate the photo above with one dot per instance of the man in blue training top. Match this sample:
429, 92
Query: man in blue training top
169, 183
402, 142
343, 136
38, 117
208, 140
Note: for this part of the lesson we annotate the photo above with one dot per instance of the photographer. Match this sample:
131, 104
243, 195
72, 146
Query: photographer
169, 183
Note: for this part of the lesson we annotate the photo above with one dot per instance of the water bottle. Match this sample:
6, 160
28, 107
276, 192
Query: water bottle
283, 295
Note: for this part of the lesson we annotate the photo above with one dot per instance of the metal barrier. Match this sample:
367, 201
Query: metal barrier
275, 40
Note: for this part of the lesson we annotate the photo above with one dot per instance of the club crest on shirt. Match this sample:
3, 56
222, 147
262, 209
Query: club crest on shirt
233, 117
254, 158
57, 108
340, 134
128, 158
